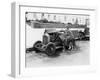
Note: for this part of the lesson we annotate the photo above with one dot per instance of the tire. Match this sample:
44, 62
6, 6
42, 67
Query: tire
50, 49
37, 46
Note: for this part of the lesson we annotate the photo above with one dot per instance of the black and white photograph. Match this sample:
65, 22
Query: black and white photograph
53, 40
57, 39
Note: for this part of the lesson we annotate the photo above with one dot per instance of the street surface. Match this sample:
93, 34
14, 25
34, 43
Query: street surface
79, 56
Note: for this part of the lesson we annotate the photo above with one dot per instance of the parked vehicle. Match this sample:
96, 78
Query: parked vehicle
53, 40
84, 35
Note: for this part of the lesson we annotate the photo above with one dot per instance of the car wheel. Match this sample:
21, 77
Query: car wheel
37, 46
50, 49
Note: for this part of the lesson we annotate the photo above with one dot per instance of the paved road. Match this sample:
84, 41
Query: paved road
79, 56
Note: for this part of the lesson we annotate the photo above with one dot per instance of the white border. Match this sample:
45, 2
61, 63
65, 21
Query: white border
19, 58
15, 40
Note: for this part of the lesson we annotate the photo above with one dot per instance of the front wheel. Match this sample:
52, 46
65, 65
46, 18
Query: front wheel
37, 46
50, 49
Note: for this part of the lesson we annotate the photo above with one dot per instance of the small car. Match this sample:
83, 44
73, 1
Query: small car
84, 35
53, 40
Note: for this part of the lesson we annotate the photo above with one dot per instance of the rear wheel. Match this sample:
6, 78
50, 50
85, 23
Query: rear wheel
50, 49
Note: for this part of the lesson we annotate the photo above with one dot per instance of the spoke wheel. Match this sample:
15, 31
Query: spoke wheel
37, 46
50, 50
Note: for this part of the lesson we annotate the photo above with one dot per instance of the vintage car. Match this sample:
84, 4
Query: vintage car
85, 35
53, 40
